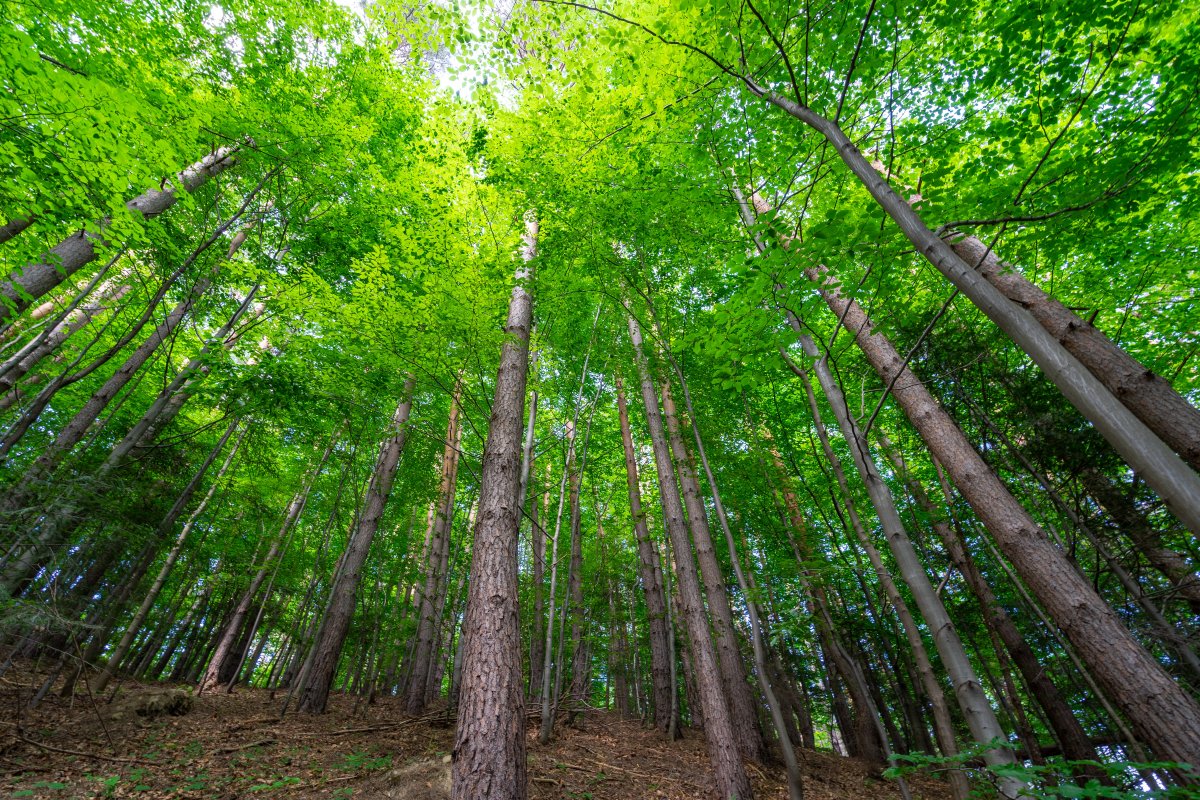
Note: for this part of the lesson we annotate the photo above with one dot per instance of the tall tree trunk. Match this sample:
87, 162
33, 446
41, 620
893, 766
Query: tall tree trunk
1149, 396
863, 737
436, 579
164, 528
489, 745
328, 649
729, 654
1161, 713
581, 677
652, 578
719, 730
537, 634
226, 646
79, 249
1062, 720
1148, 541
977, 710
1161, 468
943, 726
108, 293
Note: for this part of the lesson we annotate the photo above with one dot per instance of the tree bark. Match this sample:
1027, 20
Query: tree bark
1062, 720
436, 579
1149, 396
226, 645
737, 685
719, 731
164, 528
80, 249
650, 571
328, 649
1161, 713
976, 708
489, 746
1162, 469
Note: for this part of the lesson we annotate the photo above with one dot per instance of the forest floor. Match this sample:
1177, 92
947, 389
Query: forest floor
234, 746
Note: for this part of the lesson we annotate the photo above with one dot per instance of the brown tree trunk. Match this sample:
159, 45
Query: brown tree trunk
1062, 720
433, 598
1163, 470
1148, 541
719, 730
79, 249
650, 571
164, 528
489, 745
1162, 714
733, 672
327, 650
1149, 396
226, 647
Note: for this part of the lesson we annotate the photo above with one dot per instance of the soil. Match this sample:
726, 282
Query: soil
232, 746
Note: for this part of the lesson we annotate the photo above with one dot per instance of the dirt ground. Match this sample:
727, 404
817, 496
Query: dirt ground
234, 746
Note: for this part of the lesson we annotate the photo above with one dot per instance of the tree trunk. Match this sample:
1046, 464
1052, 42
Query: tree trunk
164, 528
225, 648
1161, 468
1166, 718
436, 579
489, 745
943, 726
976, 708
652, 579
79, 249
737, 685
1149, 396
328, 649
730, 773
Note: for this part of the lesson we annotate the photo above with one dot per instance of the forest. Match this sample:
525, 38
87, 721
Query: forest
770, 388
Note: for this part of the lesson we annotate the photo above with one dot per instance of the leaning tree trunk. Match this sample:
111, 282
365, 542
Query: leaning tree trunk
433, 597
652, 579
1163, 470
80, 249
328, 648
1160, 711
977, 710
943, 725
226, 645
109, 292
1149, 396
730, 773
1061, 719
489, 746
131, 630
729, 654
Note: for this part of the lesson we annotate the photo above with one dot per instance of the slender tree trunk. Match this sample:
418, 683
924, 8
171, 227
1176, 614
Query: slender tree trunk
581, 678
981, 718
737, 685
489, 745
537, 635
1062, 720
1161, 468
1148, 541
719, 730
328, 649
107, 294
1161, 713
164, 528
652, 579
79, 249
226, 645
1149, 396
436, 579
